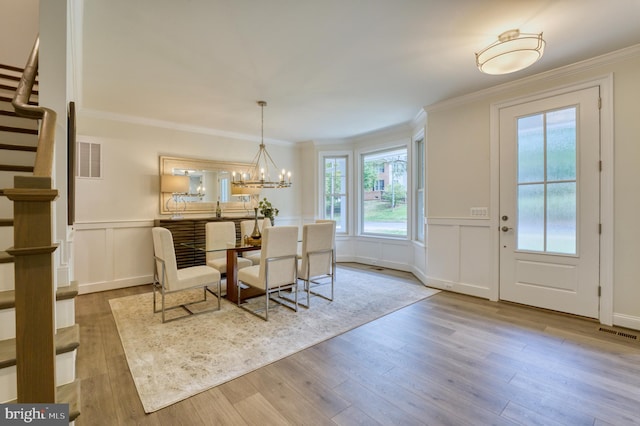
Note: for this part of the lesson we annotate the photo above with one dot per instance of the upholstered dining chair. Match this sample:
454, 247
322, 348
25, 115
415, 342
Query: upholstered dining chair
246, 228
277, 270
169, 279
333, 237
218, 236
317, 259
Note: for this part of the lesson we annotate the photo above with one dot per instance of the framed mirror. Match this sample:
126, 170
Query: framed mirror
209, 181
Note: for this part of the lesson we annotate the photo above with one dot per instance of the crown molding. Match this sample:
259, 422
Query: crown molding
582, 66
162, 124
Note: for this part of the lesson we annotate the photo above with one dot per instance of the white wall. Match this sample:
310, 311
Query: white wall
18, 30
458, 178
114, 214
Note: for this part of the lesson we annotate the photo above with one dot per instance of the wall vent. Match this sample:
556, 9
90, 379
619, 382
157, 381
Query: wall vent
619, 333
89, 160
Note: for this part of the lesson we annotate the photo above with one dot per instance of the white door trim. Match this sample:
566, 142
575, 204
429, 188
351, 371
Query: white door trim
606, 185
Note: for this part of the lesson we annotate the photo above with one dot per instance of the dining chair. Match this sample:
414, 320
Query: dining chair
218, 236
333, 238
317, 259
246, 228
277, 270
169, 279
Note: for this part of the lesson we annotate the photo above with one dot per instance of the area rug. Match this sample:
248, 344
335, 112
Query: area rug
173, 361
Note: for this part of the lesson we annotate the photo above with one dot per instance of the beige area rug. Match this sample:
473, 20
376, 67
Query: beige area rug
173, 361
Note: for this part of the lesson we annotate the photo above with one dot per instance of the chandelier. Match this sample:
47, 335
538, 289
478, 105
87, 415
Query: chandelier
512, 52
262, 170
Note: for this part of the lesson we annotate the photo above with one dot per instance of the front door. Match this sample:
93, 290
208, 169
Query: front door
550, 203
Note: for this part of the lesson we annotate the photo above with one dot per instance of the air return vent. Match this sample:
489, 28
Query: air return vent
619, 333
89, 160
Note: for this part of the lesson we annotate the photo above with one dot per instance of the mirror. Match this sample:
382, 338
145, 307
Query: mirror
209, 182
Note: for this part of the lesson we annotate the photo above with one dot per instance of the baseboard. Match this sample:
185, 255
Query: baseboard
464, 288
626, 321
113, 285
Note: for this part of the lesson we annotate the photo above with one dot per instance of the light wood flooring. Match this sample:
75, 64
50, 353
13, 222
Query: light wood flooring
447, 360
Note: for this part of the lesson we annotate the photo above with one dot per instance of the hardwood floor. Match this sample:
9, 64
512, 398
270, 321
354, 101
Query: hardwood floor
447, 360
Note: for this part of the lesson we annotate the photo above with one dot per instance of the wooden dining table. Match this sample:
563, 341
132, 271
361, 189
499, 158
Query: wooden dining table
232, 274
233, 250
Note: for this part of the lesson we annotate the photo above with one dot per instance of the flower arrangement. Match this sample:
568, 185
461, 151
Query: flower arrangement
267, 210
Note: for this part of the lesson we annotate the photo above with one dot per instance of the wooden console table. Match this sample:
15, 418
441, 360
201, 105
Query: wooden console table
189, 231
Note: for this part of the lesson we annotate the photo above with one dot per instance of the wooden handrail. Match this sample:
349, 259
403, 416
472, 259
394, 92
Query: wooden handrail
44, 156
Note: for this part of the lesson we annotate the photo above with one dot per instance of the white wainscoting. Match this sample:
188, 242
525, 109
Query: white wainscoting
110, 255
459, 256
402, 255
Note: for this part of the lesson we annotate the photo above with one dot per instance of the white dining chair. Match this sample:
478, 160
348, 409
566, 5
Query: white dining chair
317, 260
218, 236
169, 279
277, 271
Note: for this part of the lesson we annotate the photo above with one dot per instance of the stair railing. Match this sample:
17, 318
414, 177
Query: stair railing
32, 198
44, 155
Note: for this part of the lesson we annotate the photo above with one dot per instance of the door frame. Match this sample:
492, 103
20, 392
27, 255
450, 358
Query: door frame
606, 184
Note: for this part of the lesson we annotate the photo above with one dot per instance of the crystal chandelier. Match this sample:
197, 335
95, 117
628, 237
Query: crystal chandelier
262, 171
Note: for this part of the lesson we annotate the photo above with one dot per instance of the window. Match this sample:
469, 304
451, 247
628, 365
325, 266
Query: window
335, 191
384, 192
419, 188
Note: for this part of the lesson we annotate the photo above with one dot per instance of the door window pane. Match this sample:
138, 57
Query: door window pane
531, 217
561, 145
561, 217
531, 149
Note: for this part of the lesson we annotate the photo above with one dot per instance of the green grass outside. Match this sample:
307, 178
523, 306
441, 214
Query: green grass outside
381, 211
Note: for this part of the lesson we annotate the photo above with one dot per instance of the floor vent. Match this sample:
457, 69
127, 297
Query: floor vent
619, 333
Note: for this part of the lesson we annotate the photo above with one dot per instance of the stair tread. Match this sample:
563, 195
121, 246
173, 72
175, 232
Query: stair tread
67, 339
10, 168
70, 394
8, 297
5, 257
13, 147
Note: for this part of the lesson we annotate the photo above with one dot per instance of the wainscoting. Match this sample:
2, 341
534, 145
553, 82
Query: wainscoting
459, 256
111, 255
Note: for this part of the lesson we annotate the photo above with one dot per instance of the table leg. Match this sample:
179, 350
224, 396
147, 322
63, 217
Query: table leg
232, 274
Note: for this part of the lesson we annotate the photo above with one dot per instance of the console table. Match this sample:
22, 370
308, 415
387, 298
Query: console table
190, 231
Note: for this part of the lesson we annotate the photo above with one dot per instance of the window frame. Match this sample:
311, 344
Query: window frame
347, 208
419, 160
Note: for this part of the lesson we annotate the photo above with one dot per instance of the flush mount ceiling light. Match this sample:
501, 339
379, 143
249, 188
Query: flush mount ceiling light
261, 173
512, 52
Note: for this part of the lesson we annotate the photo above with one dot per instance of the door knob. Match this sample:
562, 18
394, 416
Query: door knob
505, 228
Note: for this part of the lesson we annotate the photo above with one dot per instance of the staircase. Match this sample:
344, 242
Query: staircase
38, 334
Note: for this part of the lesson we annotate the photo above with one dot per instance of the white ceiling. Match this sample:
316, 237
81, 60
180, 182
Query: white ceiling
327, 68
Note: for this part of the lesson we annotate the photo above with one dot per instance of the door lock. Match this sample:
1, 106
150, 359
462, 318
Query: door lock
505, 217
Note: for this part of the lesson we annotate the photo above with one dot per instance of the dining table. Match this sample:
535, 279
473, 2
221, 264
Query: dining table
233, 250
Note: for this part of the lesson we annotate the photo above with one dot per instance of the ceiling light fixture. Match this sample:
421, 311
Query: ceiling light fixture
512, 52
259, 174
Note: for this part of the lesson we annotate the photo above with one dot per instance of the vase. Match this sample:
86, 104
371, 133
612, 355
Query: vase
256, 229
